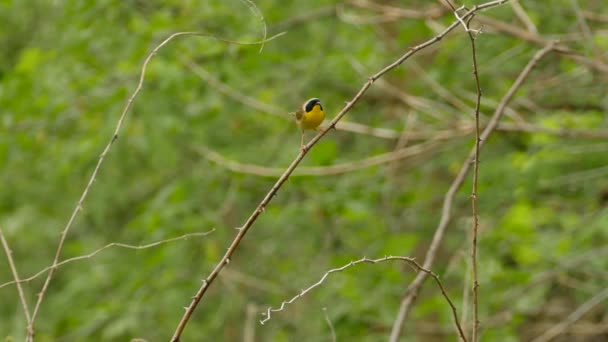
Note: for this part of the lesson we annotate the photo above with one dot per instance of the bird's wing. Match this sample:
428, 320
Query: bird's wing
299, 115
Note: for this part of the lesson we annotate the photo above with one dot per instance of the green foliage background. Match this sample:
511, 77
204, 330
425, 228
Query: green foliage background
67, 69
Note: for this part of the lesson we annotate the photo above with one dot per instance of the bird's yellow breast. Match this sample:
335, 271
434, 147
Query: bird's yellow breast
312, 119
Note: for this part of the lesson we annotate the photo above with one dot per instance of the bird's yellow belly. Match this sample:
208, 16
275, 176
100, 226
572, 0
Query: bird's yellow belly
313, 119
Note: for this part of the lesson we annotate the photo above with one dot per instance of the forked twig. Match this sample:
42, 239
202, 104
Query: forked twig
410, 261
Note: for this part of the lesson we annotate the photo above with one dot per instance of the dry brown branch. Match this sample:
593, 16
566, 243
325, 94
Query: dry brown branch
414, 288
474, 192
573, 317
266, 200
11, 263
410, 261
336, 169
121, 119
99, 250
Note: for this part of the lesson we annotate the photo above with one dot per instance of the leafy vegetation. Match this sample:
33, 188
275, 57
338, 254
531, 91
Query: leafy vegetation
68, 68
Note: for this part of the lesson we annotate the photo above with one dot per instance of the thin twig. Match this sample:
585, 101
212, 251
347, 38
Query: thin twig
11, 263
331, 325
410, 261
414, 288
249, 325
78, 208
573, 317
474, 192
266, 200
466, 293
256, 11
99, 250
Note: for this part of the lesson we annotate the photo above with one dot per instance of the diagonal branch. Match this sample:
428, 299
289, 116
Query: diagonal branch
573, 317
11, 263
412, 291
266, 200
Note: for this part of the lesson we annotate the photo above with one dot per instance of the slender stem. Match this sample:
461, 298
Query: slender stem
11, 263
474, 193
414, 288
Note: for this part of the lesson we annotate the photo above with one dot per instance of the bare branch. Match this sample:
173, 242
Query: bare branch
99, 250
11, 263
474, 192
410, 261
412, 291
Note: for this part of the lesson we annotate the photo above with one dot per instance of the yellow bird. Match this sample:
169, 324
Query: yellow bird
310, 116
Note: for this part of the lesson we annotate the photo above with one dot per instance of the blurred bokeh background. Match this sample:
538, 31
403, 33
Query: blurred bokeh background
210, 112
